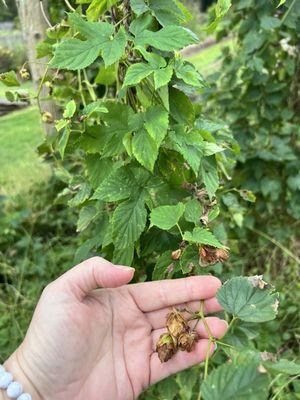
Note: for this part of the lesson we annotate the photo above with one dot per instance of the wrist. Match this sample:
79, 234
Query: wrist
17, 367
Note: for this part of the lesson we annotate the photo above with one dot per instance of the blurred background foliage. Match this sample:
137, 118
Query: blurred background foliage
252, 64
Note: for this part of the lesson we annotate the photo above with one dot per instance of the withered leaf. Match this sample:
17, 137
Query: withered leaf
209, 255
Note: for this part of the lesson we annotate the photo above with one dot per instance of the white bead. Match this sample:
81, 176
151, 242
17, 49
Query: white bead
5, 380
2, 370
24, 396
14, 390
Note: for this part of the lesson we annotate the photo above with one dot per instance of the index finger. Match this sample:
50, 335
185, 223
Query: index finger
150, 296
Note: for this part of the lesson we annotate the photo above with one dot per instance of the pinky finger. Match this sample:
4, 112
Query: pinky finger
180, 361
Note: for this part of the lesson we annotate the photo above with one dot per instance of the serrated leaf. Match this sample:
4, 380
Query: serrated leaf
61, 124
114, 49
81, 196
238, 382
167, 12
212, 148
143, 22
190, 145
193, 211
221, 9
156, 123
144, 149
181, 108
169, 38
267, 22
210, 176
84, 250
283, 366
96, 107
164, 266
155, 60
75, 54
251, 304
69, 109
139, 7
123, 256
189, 259
119, 185
136, 73
165, 217
99, 169
162, 76
129, 221
98, 8
188, 73
100, 31
202, 236
86, 216
63, 141
9, 79
107, 76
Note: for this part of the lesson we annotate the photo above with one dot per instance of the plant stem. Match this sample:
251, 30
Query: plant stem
288, 11
179, 230
69, 6
207, 359
89, 86
80, 88
285, 385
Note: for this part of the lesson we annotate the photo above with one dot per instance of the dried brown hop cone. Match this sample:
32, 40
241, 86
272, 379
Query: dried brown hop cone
210, 255
166, 347
187, 341
176, 323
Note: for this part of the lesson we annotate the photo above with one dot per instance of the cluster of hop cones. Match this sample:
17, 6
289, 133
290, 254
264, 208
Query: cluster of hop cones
179, 337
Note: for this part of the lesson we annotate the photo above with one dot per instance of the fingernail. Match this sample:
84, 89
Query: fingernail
215, 346
125, 268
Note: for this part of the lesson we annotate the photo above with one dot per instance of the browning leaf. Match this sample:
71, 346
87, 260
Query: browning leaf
166, 347
210, 255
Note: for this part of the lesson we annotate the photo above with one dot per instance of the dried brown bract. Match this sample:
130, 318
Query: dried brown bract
210, 255
165, 347
176, 324
187, 341
176, 254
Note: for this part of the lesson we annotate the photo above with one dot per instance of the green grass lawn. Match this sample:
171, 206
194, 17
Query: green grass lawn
20, 166
206, 60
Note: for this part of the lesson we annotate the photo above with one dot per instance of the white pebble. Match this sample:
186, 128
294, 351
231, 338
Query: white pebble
14, 390
5, 380
24, 396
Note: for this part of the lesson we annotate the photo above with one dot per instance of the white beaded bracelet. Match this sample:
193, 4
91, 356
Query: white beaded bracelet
14, 390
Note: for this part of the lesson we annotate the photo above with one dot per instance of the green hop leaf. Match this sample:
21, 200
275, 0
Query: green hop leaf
243, 300
238, 382
136, 73
129, 221
169, 38
165, 217
9, 79
202, 236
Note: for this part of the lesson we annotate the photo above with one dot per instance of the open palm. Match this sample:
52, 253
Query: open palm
88, 343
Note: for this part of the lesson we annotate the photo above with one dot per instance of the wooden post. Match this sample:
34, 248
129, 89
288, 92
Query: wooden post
33, 21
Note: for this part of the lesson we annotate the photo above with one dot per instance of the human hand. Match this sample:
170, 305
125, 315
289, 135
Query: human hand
89, 343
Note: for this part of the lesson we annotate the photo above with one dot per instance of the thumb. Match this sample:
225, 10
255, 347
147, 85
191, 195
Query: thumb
94, 273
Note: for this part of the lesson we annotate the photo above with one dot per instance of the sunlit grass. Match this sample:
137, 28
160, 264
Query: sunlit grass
20, 166
207, 60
